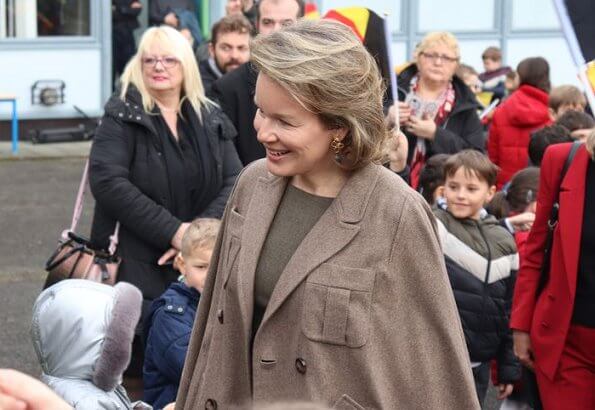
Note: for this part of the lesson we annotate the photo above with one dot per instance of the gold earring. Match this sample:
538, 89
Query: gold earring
338, 146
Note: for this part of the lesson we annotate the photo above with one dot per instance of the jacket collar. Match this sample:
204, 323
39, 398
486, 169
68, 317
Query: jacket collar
572, 203
334, 230
535, 93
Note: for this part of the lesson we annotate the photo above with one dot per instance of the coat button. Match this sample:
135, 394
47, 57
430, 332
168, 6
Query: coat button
300, 365
220, 315
211, 405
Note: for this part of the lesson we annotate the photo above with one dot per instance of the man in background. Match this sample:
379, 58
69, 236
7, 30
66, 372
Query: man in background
228, 49
235, 90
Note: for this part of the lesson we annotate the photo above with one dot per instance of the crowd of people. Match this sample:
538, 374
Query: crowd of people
275, 253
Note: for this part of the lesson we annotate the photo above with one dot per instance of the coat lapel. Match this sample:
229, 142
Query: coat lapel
334, 230
267, 195
572, 201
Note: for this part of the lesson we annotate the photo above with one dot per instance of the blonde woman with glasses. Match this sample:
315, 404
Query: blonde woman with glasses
162, 156
327, 283
437, 111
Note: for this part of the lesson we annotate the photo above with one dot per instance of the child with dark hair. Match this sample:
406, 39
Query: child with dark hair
578, 123
517, 197
543, 138
481, 261
431, 178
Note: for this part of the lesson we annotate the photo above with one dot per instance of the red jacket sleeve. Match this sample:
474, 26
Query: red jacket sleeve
494, 139
528, 278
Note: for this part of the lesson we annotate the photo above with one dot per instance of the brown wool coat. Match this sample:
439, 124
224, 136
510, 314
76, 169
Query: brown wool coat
363, 315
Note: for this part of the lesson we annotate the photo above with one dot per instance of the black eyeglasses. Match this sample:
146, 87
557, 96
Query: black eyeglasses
434, 57
167, 62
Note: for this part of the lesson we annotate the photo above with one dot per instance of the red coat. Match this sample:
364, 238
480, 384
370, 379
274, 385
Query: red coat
514, 120
548, 319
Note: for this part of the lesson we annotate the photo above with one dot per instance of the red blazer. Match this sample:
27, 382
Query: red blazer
514, 120
548, 319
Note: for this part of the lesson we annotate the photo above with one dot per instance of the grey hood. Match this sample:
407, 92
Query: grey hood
83, 330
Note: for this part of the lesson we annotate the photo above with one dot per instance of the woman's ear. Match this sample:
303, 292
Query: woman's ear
340, 133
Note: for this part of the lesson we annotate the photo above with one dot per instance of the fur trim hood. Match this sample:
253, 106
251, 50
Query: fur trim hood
83, 330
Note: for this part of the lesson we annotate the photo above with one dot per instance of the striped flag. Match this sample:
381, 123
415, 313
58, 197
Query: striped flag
370, 29
576, 19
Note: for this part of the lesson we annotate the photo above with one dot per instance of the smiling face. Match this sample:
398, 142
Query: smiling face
161, 71
466, 194
297, 143
437, 63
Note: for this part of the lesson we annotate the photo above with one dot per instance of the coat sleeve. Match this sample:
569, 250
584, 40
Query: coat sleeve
109, 178
509, 367
471, 136
429, 329
231, 168
494, 141
170, 351
199, 331
528, 278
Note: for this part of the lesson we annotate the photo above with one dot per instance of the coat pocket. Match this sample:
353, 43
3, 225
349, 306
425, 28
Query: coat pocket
337, 305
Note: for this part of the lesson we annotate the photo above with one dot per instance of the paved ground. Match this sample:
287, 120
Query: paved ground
36, 202
36, 198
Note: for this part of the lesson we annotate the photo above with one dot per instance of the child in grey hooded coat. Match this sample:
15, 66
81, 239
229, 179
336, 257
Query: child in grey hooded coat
82, 333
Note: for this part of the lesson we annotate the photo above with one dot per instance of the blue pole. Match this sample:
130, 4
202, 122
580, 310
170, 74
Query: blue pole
15, 128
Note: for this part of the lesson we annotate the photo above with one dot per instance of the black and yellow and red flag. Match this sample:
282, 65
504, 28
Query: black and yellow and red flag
576, 19
371, 30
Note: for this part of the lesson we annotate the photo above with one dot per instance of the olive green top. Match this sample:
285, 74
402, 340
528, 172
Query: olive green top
297, 213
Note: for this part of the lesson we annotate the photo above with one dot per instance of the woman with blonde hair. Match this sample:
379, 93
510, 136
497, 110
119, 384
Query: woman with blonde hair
327, 283
553, 311
162, 156
437, 111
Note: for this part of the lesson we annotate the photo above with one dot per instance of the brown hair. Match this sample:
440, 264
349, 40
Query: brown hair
326, 68
575, 120
464, 69
520, 193
235, 23
202, 233
535, 71
566, 94
473, 162
493, 53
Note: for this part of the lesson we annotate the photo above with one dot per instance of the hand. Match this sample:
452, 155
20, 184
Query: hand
171, 20
176, 241
170, 253
581, 134
170, 406
19, 391
504, 390
136, 5
522, 222
522, 348
404, 114
398, 147
422, 127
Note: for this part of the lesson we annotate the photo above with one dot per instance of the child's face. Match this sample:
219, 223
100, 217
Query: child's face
472, 81
491, 65
195, 267
466, 194
569, 107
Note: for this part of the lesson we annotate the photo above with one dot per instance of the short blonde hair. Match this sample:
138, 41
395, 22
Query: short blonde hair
437, 37
177, 46
325, 67
201, 234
